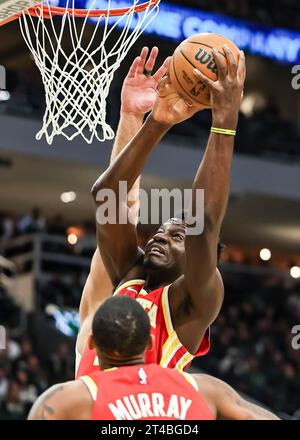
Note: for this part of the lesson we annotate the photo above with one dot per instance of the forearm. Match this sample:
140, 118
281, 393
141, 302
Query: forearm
213, 175
129, 125
258, 413
204, 283
121, 254
228, 404
238, 408
98, 285
129, 164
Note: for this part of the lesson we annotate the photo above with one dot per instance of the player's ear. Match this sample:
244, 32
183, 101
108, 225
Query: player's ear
151, 343
91, 342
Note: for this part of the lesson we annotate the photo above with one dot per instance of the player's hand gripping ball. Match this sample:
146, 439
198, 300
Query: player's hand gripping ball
196, 52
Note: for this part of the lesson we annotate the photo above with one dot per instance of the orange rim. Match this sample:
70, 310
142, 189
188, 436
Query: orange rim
49, 11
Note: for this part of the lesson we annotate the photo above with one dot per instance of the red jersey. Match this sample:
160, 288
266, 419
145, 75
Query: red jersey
145, 392
168, 350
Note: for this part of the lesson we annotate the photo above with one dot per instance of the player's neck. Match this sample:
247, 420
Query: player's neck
109, 362
156, 279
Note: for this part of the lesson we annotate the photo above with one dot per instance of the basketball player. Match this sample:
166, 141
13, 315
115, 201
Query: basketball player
176, 278
137, 99
127, 389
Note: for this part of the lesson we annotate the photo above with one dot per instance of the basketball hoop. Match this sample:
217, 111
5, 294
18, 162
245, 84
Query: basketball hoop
78, 63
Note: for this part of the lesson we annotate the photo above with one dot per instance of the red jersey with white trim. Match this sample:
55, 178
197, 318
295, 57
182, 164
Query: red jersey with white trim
145, 392
168, 350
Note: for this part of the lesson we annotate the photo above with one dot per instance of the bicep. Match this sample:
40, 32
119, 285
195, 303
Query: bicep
202, 281
192, 316
201, 302
201, 258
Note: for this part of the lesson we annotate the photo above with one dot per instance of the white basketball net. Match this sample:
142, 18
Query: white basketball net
77, 61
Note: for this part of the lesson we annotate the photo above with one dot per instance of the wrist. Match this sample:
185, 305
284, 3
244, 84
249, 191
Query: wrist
228, 120
158, 124
133, 116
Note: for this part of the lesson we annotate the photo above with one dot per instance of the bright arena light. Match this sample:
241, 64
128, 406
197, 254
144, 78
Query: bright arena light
251, 103
295, 272
68, 197
72, 239
265, 254
4, 95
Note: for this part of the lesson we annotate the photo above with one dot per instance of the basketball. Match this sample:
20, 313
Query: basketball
196, 52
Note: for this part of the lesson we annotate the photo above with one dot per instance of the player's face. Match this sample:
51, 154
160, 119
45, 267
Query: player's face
166, 249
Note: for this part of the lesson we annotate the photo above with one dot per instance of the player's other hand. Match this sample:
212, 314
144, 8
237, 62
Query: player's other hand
227, 92
171, 108
139, 88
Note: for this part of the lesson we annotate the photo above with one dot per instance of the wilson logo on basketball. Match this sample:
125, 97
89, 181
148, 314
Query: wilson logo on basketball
206, 59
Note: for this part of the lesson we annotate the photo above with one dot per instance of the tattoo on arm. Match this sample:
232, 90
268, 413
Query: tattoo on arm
44, 411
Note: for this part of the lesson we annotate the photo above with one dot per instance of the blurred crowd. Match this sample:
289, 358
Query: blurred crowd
263, 133
12, 225
24, 374
64, 284
252, 338
15, 225
62, 291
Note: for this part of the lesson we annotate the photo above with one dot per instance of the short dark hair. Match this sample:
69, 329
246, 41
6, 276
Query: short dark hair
121, 326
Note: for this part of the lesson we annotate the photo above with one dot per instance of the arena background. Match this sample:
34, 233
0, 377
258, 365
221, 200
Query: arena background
47, 220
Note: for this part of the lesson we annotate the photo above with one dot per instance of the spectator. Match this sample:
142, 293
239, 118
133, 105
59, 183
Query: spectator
33, 222
61, 364
28, 391
26, 351
36, 375
12, 407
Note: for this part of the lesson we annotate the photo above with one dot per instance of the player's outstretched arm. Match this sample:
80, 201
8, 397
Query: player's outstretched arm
116, 231
119, 247
137, 98
226, 403
201, 287
97, 288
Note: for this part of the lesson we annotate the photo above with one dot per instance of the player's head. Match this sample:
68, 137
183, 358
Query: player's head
120, 332
165, 251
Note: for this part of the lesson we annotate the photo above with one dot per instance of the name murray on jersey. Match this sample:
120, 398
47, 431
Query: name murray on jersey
142, 405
